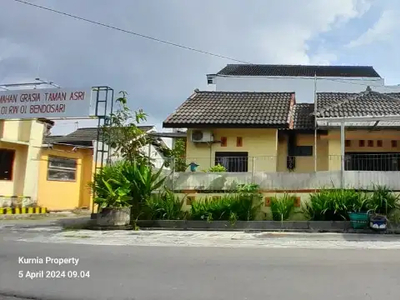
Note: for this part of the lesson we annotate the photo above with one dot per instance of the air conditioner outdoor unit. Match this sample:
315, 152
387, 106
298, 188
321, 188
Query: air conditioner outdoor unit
202, 136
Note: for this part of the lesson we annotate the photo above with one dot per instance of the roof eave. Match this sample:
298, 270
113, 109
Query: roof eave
216, 125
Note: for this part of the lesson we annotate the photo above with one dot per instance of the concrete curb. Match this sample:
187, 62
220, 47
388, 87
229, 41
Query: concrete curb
257, 226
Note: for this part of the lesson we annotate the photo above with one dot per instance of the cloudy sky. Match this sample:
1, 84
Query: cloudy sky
158, 77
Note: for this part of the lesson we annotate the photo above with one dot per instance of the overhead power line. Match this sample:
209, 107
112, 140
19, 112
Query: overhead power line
164, 41
129, 31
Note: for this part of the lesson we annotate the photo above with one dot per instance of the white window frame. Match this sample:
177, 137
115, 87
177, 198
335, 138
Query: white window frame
64, 169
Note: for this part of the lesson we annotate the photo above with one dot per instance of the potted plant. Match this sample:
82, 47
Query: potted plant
359, 213
383, 201
114, 203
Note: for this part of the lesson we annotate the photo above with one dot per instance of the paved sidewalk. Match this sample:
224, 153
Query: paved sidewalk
218, 239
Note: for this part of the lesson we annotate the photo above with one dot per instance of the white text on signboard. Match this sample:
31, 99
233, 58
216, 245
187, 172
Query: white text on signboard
45, 103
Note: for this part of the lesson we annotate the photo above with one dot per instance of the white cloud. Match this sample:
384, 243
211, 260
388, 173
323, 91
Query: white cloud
286, 41
380, 31
158, 77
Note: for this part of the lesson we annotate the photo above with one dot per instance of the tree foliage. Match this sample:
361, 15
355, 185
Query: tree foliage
179, 154
123, 135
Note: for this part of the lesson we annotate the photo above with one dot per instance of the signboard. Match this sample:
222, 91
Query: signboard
45, 103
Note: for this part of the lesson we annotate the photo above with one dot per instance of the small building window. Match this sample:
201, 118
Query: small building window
303, 151
361, 143
394, 144
379, 143
347, 143
61, 169
370, 143
224, 141
6, 164
239, 142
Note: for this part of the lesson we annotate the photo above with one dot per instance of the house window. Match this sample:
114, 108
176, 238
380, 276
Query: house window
224, 141
379, 143
372, 161
348, 143
61, 169
303, 151
370, 143
361, 143
233, 161
6, 164
394, 144
239, 142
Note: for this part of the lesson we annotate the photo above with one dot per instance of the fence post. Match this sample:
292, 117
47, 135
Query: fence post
253, 169
342, 153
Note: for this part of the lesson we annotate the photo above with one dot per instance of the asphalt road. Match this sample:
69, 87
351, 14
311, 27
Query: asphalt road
144, 273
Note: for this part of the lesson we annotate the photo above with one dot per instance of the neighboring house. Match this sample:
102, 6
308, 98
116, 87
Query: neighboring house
67, 166
271, 132
88, 137
297, 78
53, 171
20, 142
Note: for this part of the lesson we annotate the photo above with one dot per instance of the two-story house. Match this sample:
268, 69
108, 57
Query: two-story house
270, 131
301, 79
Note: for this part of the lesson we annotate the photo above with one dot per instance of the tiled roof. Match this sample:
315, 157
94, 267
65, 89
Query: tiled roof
302, 116
368, 103
52, 138
232, 109
83, 136
298, 70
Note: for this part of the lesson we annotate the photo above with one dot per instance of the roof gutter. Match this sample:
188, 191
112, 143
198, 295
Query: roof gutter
387, 118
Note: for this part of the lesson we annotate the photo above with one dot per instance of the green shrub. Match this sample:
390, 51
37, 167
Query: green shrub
164, 205
333, 205
336, 204
382, 200
282, 207
115, 194
137, 180
216, 169
232, 207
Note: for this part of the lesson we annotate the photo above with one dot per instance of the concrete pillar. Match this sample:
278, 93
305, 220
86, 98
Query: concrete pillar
33, 160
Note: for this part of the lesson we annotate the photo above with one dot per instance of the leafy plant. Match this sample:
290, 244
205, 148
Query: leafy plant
179, 153
217, 168
248, 188
230, 207
144, 181
112, 171
383, 200
113, 197
333, 205
139, 180
164, 205
123, 135
282, 207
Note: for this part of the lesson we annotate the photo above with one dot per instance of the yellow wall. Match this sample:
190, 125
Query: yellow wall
26, 137
64, 195
304, 164
16, 130
259, 143
270, 153
334, 149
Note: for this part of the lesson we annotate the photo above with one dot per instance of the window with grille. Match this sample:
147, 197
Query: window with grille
6, 164
61, 169
233, 161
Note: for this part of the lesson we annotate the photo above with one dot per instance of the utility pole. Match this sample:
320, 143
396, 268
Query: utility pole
315, 123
